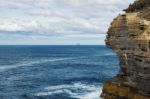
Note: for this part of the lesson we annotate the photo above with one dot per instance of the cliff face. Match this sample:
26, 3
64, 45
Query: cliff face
129, 37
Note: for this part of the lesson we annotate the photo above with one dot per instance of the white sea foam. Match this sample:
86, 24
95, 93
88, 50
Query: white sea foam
48, 93
87, 91
31, 62
90, 95
110, 54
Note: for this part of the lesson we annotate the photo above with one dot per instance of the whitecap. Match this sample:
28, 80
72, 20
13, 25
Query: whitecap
91, 95
48, 93
87, 91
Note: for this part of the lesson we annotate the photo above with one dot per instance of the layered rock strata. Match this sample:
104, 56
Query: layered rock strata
129, 37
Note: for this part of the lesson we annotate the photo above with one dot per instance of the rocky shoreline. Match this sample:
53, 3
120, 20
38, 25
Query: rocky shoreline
129, 37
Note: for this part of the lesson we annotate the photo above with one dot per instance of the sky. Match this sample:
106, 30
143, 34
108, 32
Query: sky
57, 22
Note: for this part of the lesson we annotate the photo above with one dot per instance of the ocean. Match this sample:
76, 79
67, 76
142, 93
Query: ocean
55, 72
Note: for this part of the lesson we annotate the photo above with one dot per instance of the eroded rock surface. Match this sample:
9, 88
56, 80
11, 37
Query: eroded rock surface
129, 37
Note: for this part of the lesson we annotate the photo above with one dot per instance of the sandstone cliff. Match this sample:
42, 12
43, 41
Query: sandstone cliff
129, 37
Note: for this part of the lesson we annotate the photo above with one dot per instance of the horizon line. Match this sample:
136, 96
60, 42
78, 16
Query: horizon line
50, 44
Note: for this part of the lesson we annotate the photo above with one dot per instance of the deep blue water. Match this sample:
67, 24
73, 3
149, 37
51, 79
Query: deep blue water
55, 72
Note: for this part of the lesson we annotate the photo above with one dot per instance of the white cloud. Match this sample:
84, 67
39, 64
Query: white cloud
57, 18
18, 26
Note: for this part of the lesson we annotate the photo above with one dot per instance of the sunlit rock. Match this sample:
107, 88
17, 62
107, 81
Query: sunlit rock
129, 37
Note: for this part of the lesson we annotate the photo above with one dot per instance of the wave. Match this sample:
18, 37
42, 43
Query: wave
76, 90
30, 63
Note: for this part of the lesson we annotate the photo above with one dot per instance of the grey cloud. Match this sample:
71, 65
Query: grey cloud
58, 18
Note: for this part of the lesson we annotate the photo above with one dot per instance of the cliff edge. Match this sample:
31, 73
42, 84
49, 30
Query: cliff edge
129, 37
